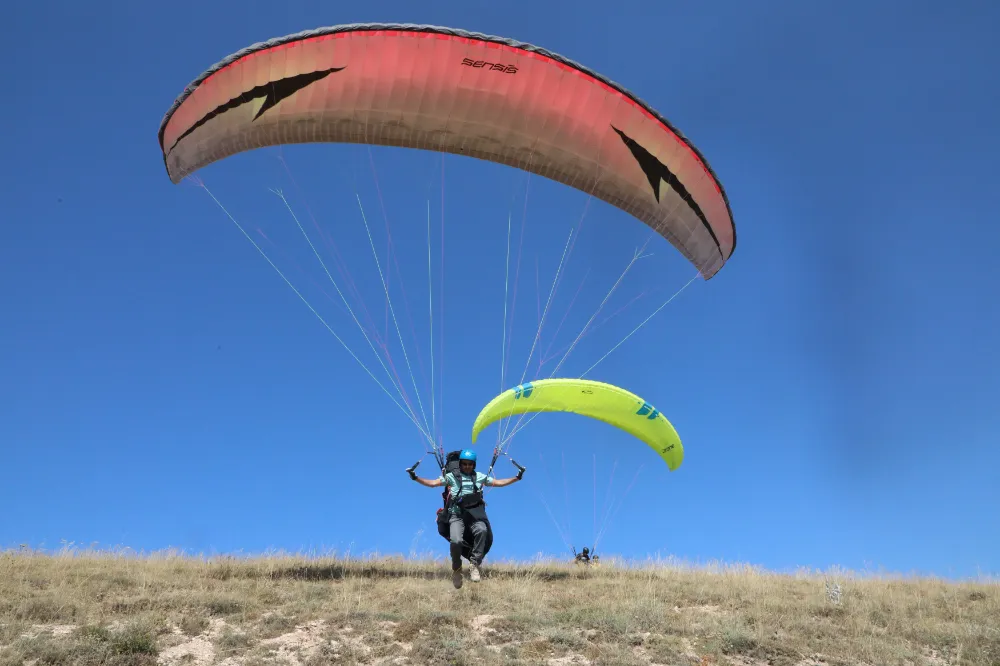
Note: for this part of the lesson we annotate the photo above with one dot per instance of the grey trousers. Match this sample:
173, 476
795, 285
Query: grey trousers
456, 525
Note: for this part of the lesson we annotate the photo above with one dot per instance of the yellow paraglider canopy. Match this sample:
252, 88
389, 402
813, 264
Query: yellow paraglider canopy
605, 402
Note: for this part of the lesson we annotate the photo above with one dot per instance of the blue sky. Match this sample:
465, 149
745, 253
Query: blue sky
835, 386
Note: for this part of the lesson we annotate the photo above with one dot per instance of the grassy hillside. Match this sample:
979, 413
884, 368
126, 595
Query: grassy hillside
79, 607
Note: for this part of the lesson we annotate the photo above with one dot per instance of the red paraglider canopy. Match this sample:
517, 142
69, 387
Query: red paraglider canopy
460, 92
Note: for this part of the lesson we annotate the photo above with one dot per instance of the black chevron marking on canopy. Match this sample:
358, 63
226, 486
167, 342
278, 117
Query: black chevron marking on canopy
656, 171
272, 92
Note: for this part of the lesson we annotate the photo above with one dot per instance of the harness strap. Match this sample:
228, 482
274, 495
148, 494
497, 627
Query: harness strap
459, 479
461, 485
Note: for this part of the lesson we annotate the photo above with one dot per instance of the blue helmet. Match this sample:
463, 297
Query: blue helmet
467, 454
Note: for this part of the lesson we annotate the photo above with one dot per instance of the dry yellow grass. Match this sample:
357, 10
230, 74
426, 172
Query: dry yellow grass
115, 608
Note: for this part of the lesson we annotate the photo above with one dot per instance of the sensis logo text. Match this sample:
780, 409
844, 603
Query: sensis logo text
492, 66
